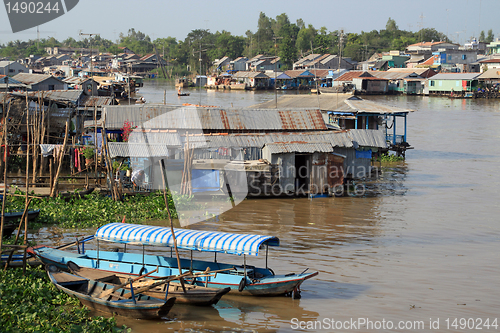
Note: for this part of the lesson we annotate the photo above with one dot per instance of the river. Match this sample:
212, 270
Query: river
422, 249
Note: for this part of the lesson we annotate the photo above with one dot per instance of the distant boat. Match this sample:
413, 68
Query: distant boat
183, 83
106, 298
10, 219
194, 295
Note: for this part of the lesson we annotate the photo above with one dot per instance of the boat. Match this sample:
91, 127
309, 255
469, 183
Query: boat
75, 194
17, 260
10, 223
107, 298
13, 216
242, 279
183, 83
182, 94
194, 295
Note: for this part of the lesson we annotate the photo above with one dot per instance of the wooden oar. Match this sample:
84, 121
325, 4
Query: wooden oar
110, 291
155, 284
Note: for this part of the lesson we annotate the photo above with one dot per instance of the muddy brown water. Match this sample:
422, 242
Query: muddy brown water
421, 247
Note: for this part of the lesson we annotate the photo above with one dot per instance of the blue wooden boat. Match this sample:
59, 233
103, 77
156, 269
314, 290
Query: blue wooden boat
242, 279
98, 296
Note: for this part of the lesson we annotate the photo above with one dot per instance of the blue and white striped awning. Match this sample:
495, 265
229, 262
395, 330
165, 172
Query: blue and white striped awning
186, 239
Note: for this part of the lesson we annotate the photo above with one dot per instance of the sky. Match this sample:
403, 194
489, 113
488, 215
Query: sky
459, 19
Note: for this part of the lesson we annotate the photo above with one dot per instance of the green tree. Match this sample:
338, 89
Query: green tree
481, 36
490, 37
304, 38
264, 35
391, 25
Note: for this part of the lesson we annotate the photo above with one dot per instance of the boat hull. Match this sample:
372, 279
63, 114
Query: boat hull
194, 295
144, 307
262, 282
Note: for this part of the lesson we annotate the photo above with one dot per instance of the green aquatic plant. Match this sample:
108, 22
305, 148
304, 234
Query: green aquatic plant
96, 210
390, 158
31, 303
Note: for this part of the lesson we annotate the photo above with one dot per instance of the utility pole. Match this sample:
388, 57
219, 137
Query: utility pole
95, 106
199, 76
275, 61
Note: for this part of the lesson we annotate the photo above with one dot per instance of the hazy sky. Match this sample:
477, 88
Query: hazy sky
461, 19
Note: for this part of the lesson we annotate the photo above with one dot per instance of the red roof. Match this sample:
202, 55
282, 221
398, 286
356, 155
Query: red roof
431, 60
426, 44
490, 61
352, 75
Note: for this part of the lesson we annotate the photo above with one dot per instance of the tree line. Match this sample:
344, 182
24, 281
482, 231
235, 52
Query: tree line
274, 36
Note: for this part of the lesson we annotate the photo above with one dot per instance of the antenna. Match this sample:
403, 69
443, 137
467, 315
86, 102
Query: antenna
421, 25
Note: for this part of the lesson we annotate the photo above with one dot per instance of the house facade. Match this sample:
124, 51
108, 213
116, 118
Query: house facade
38, 82
447, 83
12, 68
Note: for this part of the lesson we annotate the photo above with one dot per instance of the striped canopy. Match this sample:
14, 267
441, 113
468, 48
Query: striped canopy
186, 239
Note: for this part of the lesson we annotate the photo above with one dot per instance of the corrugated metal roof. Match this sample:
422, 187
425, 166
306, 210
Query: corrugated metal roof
126, 149
89, 101
258, 140
201, 118
364, 106
493, 73
157, 137
395, 75
455, 76
27, 78
352, 74
325, 102
54, 95
247, 74
368, 138
302, 73
299, 147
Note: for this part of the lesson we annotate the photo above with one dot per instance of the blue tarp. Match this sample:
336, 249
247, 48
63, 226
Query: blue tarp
205, 180
364, 154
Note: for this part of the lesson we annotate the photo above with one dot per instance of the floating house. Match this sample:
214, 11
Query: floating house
456, 83
272, 145
41, 82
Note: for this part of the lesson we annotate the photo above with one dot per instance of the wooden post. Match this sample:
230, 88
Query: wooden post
51, 171
56, 179
27, 200
4, 158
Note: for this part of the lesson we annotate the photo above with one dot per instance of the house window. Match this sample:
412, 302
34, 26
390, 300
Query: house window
449, 57
457, 83
12, 70
440, 83
432, 83
51, 87
464, 56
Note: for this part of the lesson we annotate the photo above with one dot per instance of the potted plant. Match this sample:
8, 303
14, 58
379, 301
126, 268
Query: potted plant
89, 153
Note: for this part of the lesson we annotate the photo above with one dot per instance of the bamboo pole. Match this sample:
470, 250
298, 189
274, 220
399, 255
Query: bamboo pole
162, 168
61, 153
27, 200
5, 160
25, 215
